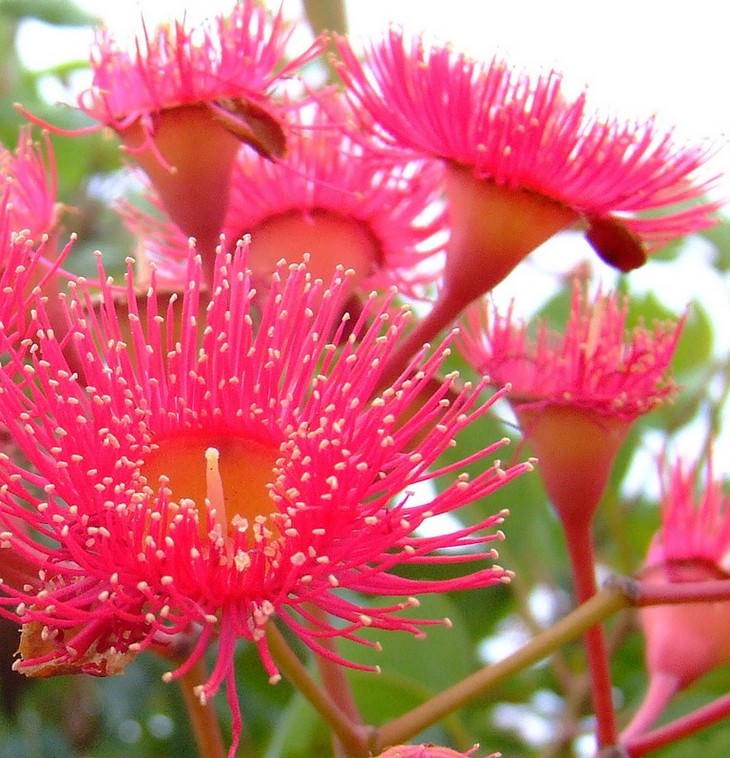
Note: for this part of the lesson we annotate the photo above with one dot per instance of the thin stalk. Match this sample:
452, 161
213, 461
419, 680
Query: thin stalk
203, 720
678, 729
599, 607
662, 688
335, 681
518, 585
354, 737
577, 695
337, 685
580, 549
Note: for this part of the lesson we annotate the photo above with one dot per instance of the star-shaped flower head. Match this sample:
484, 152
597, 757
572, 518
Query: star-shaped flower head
185, 100
575, 393
524, 161
341, 201
210, 474
685, 641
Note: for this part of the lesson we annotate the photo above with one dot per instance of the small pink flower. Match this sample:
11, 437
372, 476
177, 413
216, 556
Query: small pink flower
28, 182
28, 228
210, 474
340, 201
523, 161
685, 641
575, 393
429, 751
187, 98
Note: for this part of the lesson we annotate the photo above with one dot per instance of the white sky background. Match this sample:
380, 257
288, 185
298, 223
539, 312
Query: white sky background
639, 58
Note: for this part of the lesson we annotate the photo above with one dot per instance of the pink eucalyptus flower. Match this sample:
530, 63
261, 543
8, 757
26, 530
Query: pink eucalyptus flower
523, 162
685, 641
340, 201
429, 751
28, 227
209, 475
575, 394
185, 100
28, 182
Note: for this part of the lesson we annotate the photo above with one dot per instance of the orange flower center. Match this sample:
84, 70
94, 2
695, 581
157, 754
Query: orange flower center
329, 238
224, 472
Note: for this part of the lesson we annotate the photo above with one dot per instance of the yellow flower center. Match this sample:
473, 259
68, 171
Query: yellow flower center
231, 473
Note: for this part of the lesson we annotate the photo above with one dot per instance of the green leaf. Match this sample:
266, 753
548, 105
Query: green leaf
420, 665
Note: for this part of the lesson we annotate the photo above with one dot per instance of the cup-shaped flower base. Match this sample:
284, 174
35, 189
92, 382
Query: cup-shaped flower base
575, 448
493, 228
189, 160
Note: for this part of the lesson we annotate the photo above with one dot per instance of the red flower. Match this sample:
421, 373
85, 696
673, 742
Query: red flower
523, 162
28, 183
685, 641
209, 473
428, 751
576, 393
187, 98
28, 227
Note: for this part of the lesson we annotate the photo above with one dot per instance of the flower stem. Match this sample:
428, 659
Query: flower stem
580, 548
336, 684
660, 593
676, 730
662, 688
592, 612
354, 737
203, 720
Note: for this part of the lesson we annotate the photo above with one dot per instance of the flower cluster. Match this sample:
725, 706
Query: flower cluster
251, 431
343, 202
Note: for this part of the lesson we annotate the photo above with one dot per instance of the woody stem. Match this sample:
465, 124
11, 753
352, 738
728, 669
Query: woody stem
570, 627
203, 720
354, 737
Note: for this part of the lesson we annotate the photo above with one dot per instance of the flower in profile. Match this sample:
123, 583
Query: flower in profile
210, 474
574, 393
685, 641
341, 201
187, 98
523, 161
